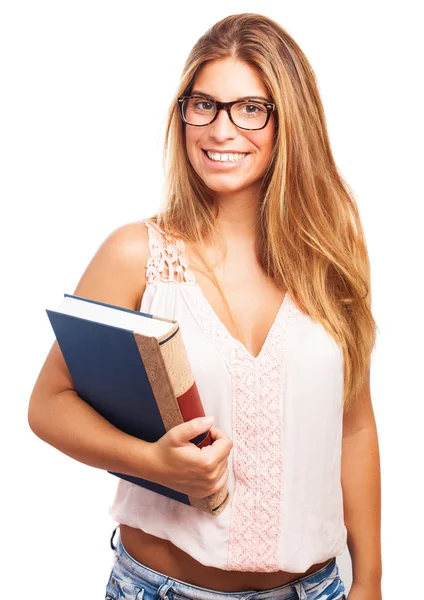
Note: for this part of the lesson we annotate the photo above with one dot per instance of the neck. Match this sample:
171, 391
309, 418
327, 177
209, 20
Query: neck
237, 217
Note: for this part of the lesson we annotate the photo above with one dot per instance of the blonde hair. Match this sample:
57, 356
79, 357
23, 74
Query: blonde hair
310, 238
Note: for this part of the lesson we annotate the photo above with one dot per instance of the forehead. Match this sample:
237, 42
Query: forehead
228, 79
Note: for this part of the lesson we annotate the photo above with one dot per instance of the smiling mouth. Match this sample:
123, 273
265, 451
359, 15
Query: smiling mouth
225, 161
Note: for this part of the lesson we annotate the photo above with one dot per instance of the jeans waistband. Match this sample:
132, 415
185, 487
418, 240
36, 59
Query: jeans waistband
191, 591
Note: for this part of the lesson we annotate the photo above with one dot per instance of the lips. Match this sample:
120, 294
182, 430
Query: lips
224, 151
224, 166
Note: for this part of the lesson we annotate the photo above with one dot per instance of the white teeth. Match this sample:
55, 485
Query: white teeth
225, 157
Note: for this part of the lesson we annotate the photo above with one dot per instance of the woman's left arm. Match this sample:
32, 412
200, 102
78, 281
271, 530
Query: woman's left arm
361, 483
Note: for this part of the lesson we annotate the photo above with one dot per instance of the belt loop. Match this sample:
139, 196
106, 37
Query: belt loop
300, 591
164, 588
111, 539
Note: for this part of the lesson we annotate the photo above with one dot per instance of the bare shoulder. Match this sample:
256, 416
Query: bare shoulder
116, 273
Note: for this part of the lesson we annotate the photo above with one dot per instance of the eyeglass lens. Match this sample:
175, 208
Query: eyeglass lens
250, 115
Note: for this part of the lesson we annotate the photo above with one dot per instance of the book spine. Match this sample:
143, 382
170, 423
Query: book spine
177, 397
159, 380
177, 365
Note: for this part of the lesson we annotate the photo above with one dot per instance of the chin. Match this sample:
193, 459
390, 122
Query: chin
228, 189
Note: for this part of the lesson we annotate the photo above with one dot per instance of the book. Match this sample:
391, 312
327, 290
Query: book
133, 369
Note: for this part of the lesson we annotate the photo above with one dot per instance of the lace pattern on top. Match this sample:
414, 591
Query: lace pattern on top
167, 260
257, 415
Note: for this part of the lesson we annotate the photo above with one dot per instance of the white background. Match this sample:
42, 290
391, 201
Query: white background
85, 86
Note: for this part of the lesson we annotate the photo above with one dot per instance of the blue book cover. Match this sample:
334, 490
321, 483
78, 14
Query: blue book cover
108, 372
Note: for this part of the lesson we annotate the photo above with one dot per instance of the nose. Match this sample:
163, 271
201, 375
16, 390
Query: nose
222, 127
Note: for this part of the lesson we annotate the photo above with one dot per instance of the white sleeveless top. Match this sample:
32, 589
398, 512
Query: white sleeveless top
283, 412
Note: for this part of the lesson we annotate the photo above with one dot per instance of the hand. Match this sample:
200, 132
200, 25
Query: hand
365, 592
182, 466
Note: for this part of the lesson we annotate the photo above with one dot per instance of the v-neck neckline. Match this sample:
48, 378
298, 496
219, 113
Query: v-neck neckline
218, 328
233, 340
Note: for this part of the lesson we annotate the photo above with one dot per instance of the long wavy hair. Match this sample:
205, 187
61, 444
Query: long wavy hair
310, 238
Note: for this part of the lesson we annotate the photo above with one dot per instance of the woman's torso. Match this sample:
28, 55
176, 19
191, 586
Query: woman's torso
259, 309
162, 556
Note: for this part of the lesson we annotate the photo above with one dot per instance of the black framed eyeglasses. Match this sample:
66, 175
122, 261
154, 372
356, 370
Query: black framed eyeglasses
248, 114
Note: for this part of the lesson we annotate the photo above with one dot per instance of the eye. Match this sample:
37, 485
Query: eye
202, 105
254, 108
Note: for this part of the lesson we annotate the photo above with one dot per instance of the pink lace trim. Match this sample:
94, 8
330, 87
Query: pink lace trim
167, 261
257, 411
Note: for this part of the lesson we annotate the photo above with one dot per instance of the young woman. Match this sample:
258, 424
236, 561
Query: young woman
259, 254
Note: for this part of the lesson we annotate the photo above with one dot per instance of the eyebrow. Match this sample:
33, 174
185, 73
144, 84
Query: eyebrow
252, 97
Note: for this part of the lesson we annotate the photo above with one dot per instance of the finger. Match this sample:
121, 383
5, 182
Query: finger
221, 482
217, 433
217, 452
183, 433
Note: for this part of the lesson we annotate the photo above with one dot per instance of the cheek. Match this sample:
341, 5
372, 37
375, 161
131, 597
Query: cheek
266, 147
191, 142
267, 143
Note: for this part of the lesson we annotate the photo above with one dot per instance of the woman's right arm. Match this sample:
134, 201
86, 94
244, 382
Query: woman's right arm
56, 414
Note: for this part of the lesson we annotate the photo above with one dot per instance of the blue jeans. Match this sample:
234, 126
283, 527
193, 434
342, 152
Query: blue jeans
131, 579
